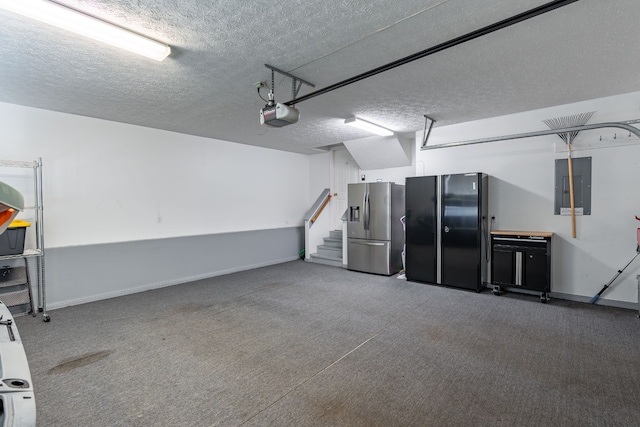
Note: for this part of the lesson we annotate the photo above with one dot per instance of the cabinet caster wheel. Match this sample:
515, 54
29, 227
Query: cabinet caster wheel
46, 318
496, 291
543, 299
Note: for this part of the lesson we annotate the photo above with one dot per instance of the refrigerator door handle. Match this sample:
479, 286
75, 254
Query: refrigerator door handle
367, 243
367, 211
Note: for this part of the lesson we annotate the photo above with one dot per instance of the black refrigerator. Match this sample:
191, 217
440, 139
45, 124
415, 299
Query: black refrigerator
446, 230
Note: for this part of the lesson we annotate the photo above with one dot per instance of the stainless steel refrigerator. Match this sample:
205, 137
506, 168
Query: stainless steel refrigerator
374, 232
446, 237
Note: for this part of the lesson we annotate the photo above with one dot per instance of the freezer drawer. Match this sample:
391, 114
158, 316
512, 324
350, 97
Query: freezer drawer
370, 256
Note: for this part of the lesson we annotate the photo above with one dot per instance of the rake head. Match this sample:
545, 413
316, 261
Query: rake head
567, 122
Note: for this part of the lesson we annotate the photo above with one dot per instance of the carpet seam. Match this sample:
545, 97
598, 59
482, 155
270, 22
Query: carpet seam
306, 380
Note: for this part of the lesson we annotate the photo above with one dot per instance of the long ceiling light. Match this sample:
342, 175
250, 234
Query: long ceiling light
370, 127
77, 22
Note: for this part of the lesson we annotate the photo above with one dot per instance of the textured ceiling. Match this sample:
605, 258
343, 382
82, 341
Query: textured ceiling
205, 87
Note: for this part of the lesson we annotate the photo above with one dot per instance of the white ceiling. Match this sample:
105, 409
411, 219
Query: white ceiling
581, 51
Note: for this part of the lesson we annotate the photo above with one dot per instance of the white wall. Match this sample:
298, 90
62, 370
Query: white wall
522, 189
397, 174
320, 172
113, 182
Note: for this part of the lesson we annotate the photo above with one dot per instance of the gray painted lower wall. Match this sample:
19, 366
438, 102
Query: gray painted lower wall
80, 274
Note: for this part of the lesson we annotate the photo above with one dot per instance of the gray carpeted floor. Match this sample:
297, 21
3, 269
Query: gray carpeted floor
302, 344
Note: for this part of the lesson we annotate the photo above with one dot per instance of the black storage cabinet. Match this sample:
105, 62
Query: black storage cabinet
445, 235
521, 260
421, 235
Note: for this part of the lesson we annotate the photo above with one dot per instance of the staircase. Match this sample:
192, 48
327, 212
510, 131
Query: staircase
331, 252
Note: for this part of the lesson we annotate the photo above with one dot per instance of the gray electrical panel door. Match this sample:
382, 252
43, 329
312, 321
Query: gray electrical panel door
581, 186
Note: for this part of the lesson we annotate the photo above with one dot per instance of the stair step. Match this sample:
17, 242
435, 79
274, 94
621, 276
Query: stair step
333, 242
326, 260
335, 234
331, 251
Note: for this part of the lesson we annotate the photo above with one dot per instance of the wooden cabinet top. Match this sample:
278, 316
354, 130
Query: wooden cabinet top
522, 233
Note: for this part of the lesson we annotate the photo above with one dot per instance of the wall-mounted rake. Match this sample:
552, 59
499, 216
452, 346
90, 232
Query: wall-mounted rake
568, 138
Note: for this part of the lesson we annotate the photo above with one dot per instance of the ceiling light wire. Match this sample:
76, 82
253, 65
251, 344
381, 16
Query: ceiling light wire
376, 32
260, 95
531, 13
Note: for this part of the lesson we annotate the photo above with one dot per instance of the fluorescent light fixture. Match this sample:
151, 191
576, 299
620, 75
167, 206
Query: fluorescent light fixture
370, 127
77, 22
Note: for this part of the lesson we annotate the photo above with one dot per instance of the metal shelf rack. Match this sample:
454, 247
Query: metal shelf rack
36, 253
